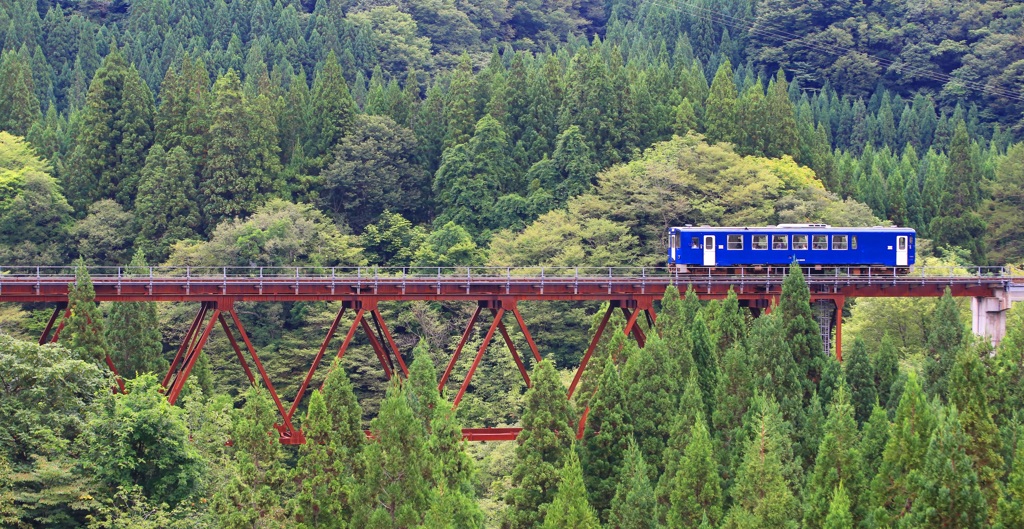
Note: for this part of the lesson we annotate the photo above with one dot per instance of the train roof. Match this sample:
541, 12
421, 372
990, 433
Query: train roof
797, 227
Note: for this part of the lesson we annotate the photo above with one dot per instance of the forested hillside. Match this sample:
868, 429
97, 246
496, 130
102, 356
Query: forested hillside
443, 133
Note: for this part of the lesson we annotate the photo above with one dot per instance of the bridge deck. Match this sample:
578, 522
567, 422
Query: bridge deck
474, 284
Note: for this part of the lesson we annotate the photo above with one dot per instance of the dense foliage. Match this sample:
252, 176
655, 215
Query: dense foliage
342, 133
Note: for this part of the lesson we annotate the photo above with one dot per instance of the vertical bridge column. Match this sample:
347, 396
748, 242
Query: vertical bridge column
988, 314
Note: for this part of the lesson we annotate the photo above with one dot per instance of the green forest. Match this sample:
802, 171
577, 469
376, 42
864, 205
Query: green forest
455, 133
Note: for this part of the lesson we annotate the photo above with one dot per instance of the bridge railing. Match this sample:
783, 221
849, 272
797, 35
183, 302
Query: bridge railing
484, 273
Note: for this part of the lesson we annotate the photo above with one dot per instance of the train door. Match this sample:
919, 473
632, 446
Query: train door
709, 250
901, 250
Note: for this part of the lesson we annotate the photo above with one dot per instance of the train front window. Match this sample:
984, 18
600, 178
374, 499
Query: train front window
839, 242
779, 242
759, 242
819, 242
799, 242
735, 242
673, 240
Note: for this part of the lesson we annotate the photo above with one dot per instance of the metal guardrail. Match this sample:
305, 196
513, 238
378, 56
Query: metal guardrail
486, 272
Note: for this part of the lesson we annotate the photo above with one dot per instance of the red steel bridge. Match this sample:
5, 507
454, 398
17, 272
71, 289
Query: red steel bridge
496, 291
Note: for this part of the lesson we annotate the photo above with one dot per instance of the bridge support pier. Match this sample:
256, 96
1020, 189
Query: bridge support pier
988, 314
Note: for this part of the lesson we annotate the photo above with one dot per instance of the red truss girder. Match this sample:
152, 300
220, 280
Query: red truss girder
631, 295
498, 310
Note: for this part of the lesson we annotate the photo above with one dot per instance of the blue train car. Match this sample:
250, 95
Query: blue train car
814, 245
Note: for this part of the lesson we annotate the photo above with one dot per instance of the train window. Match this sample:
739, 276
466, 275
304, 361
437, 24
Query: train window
902, 243
819, 242
839, 242
694, 243
735, 242
853, 242
799, 242
779, 242
673, 240
759, 242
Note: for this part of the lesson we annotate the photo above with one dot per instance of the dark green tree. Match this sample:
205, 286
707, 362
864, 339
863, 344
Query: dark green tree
321, 498
183, 118
732, 399
650, 388
958, 224
860, 377
969, 392
255, 492
720, 108
166, 206
873, 437
945, 491
545, 443
19, 105
331, 113
460, 104
242, 164
802, 332
84, 328
394, 488
706, 362
570, 508
605, 441
1011, 507
115, 132
839, 461
689, 412
374, 170
904, 454
634, 497
887, 369
421, 389
762, 495
944, 340
697, 489
133, 331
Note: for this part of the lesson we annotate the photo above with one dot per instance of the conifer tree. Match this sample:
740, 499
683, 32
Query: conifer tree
802, 332
422, 384
706, 362
904, 454
347, 434
115, 132
969, 392
775, 371
839, 516
323, 480
720, 107
958, 224
183, 118
394, 488
255, 493
732, 399
242, 164
460, 104
85, 324
133, 332
332, 113
569, 508
165, 205
574, 159
781, 134
860, 377
675, 329
697, 489
874, 436
634, 497
19, 106
452, 472
887, 369
730, 324
689, 411
945, 337
650, 397
839, 461
1009, 368
945, 491
605, 441
762, 495
1011, 507
544, 445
